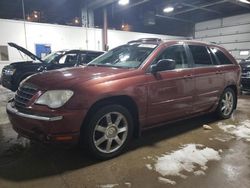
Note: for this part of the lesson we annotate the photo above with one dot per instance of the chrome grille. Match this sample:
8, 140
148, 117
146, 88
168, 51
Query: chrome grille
24, 94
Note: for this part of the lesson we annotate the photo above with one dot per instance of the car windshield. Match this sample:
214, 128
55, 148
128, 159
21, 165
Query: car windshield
49, 58
126, 56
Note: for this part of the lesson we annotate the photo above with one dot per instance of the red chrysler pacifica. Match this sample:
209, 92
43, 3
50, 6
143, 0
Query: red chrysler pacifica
133, 87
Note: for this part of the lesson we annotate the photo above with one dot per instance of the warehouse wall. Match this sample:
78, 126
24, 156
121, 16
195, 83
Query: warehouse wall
61, 37
232, 32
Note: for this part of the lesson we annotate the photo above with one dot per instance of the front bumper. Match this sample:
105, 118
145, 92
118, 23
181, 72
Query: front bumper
64, 128
36, 117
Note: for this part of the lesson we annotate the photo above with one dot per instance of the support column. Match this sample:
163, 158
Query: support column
87, 17
105, 30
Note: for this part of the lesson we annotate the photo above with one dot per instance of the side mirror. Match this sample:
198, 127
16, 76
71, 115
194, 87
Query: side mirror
162, 65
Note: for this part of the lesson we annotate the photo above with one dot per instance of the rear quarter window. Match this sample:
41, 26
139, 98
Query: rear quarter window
222, 58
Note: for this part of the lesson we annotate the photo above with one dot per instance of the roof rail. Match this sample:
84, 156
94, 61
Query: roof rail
146, 40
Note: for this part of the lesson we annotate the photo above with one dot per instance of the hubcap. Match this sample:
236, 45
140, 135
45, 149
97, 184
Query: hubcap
110, 132
227, 103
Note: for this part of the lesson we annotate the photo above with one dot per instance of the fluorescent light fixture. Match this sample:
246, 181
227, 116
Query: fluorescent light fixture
168, 9
123, 2
244, 53
244, 1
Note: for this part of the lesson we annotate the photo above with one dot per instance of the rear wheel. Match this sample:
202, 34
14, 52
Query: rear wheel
226, 104
108, 132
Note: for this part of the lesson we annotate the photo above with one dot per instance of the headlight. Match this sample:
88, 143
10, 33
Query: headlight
55, 98
9, 72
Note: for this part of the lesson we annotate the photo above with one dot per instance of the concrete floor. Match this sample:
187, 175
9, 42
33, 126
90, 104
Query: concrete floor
25, 164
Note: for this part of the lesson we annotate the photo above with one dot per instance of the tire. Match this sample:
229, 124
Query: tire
108, 132
226, 104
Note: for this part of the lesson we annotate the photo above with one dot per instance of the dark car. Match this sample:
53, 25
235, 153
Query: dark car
13, 74
245, 75
131, 88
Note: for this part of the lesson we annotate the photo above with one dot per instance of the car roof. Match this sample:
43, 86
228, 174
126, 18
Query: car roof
159, 41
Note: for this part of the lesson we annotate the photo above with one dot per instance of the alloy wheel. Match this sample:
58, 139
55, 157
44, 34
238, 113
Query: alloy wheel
227, 103
110, 132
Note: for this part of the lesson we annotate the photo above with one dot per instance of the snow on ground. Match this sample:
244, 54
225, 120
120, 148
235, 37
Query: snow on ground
241, 131
190, 158
222, 137
199, 173
167, 181
149, 166
108, 185
126, 184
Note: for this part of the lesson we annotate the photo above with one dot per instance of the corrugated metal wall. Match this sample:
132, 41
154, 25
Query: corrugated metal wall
233, 33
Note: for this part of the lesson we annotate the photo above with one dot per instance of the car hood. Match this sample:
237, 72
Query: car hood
23, 64
25, 51
65, 78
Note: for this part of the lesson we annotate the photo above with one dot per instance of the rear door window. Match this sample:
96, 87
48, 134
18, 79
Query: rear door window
201, 56
222, 58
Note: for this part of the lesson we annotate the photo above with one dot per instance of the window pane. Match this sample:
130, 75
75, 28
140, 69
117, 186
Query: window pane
68, 59
82, 58
176, 53
223, 59
126, 56
214, 59
90, 57
201, 56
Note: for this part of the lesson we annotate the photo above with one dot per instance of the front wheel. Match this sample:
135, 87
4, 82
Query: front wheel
226, 104
108, 131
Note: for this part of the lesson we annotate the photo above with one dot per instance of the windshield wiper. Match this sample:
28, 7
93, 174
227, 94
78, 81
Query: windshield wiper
111, 66
99, 65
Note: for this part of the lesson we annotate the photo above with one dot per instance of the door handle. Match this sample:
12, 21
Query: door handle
219, 72
189, 76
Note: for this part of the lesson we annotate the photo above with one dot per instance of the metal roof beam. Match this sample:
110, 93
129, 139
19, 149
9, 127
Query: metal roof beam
174, 18
95, 4
200, 7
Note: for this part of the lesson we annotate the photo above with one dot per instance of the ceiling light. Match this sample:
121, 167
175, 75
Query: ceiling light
123, 2
244, 1
168, 9
76, 20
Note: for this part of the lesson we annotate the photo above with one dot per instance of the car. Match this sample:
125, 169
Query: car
245, 76
13, 74
134, 87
